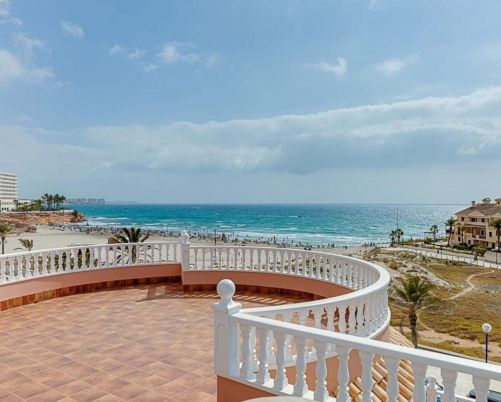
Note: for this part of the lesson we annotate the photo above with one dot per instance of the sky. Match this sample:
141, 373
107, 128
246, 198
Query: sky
237, 101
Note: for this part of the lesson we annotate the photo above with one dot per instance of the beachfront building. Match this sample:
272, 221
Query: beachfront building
473, 223
8, 191
287, 322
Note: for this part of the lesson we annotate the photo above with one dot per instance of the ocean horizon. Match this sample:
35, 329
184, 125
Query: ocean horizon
316, 224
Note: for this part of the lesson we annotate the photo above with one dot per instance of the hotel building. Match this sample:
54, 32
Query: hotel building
473, 224
8, 191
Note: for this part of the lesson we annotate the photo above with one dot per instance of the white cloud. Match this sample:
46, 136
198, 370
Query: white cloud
136, 53
72, 29
372, 4
117, 49
339, 68
394, 65
173, 52
150, 68
12, 68
6, 16
29, 44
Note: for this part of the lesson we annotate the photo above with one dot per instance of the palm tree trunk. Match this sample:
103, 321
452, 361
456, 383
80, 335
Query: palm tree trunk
3, 245
413, 324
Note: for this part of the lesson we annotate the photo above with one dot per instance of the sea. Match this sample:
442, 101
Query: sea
333, 224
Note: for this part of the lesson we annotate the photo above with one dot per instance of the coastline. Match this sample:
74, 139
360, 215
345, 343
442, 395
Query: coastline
49, 236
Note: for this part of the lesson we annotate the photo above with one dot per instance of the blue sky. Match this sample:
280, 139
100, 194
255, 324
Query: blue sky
252, 101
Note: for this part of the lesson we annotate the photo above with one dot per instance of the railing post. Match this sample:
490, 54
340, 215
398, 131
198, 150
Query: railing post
226, 336
185, 250
431, 389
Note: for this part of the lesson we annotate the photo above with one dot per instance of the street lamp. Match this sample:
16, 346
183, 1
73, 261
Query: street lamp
487, 328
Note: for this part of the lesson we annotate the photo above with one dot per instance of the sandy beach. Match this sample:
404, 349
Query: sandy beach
47, 237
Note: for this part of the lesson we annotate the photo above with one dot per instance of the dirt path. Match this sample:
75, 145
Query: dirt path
470, 287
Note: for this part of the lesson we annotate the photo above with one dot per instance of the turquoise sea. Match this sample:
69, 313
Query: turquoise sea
341, 224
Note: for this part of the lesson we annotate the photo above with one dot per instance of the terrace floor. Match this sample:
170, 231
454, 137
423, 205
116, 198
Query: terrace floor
147, 343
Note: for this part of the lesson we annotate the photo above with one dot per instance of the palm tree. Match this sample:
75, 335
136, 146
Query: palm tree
57, 200
496, 224
45, 199
393, 236
62, 200
449, 223
399, 233
27, 244
130, 235
434, 231
4, 230
414, 293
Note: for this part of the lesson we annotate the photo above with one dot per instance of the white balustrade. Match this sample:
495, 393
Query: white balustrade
40, 263
370, 352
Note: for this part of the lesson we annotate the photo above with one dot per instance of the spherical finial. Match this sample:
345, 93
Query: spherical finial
184, 236
487, 328
226, 290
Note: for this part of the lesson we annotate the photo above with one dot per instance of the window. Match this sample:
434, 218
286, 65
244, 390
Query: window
490, 234
473, 219
483, 219
462, 218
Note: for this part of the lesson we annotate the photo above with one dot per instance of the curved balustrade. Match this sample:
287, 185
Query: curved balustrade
362, 312
41, 263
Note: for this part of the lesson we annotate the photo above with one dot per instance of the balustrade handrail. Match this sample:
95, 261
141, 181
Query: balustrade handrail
366, 306
68, 248
425, 357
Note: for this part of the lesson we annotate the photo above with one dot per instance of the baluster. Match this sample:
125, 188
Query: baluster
220, 261
3, 273
321, 393
259, 267
330, 310
318, 265
175, 253
288, 339
392, 388
352, 321
366, 359
300, 387
280, 378
44, 264
481, 385
361, 326
167, 252
297, 256
52, 261
203, 258
195, 258
342, 318
449, 379
282, 266
228, 252
343, 375
246, 371
419, 371
317, 316
263, 375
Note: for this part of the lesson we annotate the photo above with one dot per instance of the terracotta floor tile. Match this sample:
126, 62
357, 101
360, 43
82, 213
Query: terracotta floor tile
150, 343
49, 395
151, 396
89, 394
130, 391
191, 395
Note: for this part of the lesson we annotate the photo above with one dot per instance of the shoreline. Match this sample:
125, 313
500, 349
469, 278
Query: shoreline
55, 236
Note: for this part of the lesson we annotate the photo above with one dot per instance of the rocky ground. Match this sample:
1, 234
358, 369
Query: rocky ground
27, 221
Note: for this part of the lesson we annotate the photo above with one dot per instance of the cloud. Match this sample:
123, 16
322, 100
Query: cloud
6, 16
136, 54
372, 4
150, 68
394, 65
72, 29
425, 132
172, 52
339, 68
28, 44
12, 68
117, 49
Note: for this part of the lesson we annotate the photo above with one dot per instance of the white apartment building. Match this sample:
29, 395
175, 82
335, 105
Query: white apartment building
8, 191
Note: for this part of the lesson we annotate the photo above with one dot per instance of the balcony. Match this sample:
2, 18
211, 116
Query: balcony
152, 339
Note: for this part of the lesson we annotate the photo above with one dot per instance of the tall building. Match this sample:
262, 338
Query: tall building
8, 191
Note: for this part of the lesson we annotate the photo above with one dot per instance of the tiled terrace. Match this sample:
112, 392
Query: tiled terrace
148, 343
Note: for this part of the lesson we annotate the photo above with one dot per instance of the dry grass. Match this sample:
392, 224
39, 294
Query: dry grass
461, 317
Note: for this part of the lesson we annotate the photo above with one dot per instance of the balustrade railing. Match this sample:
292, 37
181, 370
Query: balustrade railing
34, 264
363, 312
248, 347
